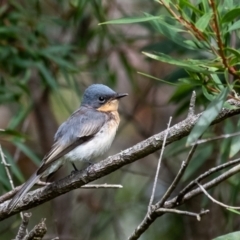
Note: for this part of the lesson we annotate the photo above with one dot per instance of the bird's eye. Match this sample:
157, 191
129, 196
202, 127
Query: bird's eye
101, 99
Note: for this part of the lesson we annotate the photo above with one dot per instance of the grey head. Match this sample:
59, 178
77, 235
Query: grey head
97, 95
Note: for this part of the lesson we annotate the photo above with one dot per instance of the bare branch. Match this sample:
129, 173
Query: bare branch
105, 185
173, 202
37, 232
11, 193
22, 231
177, 178
214, 200
204, 175
159, 166
224, 136
176, 211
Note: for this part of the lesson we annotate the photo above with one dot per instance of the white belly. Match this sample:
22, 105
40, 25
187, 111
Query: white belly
91, 149
94, 148
87, 151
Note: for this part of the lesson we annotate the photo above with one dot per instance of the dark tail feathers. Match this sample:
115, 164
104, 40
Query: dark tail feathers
25, 188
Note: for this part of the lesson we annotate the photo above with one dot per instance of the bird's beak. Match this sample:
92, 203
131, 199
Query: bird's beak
120, 95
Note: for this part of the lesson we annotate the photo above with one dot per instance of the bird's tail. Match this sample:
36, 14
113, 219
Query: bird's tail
25, 188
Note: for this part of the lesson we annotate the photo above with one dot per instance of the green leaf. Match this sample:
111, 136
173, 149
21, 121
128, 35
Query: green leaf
209, 96
158, 79
187, 4
203, 21
229, 236
231, 15
131, 20
235, 26
192, 65
218, 82
12, 133
172, 32
207, 117
205, 4
193, 82
233, 210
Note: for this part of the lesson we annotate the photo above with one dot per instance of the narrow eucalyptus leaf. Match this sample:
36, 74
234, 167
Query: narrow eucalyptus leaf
231, 15
207, 117
203, 21
130, 20
235, 26
218, 82
209, 96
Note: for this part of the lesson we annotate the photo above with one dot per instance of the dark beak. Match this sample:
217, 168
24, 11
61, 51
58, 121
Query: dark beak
121, 95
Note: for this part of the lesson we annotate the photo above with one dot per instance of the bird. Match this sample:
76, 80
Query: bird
86, 135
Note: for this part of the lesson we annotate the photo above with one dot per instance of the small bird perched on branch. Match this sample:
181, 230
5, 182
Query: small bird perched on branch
87, 134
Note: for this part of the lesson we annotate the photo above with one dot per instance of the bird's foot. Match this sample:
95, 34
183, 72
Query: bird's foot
73, 172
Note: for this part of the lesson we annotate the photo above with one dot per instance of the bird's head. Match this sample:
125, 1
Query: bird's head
102, 98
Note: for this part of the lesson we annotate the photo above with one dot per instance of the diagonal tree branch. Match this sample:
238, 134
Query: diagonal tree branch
111, 164
195, 192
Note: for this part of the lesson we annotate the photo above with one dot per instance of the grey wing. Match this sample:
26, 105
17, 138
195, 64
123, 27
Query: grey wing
79, 128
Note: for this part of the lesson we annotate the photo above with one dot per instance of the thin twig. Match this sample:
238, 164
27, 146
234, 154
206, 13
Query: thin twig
6, 166
173, 202
177, 178
105, 185
176, 211
10, 194
203, 176
191, 109
159, 165
224, 136
23, 227
184, 163
214, 200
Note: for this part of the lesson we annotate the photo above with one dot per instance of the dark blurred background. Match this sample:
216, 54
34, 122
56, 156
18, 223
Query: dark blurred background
50, 51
